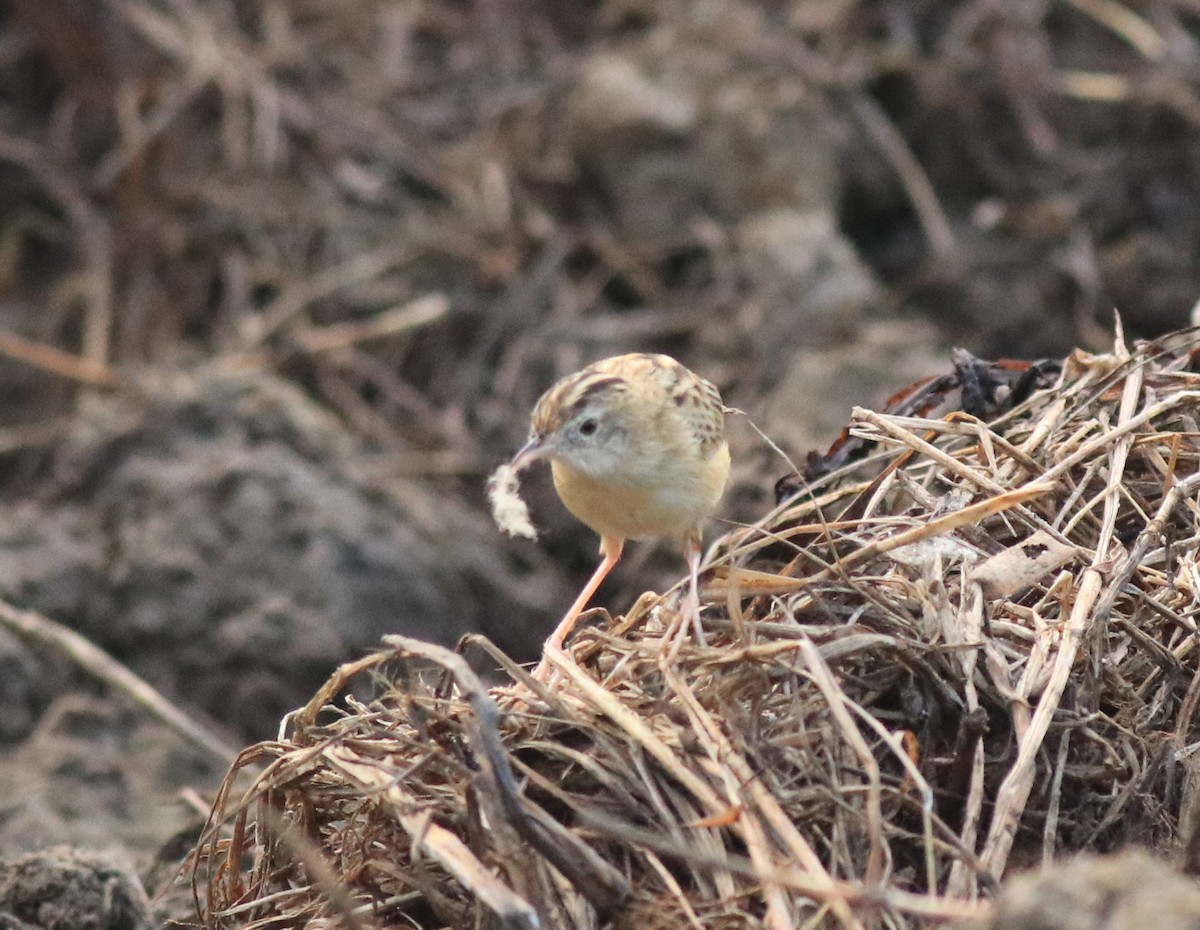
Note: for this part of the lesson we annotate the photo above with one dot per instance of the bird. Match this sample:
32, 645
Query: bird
637, 448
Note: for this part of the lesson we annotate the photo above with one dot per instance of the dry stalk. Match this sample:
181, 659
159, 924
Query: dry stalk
958, 647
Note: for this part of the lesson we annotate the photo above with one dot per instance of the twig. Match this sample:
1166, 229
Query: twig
57, 362
96, 245
834, 700
1135, 30
602, 885
297, 298
1014, 790
413, 315
101, 665
921, 192
438, 842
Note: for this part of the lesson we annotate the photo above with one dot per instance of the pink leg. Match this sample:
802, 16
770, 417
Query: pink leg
692, 603
610, 548
689, 608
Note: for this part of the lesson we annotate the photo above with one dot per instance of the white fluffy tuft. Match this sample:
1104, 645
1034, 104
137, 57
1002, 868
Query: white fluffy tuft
508, 510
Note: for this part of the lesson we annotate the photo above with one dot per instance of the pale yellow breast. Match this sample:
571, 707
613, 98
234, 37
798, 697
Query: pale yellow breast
674, 499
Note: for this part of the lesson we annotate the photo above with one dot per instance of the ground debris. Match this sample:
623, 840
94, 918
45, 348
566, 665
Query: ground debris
865, 731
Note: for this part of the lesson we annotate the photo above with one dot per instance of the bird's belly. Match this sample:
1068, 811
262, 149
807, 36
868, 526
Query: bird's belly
670, 505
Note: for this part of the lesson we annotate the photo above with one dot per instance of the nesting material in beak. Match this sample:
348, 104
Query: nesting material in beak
504, 492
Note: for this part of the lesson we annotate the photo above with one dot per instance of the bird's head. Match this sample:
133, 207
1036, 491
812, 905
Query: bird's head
587, 423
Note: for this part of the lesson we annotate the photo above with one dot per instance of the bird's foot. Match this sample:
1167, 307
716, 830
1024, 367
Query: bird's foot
546, 673
687, 615
691, 610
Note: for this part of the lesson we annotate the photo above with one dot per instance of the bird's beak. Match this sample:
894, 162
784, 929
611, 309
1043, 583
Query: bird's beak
536, 448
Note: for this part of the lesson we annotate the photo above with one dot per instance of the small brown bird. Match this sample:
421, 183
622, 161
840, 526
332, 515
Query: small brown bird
637, 448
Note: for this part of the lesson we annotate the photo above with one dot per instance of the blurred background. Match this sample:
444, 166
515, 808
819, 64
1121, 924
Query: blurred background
280, 281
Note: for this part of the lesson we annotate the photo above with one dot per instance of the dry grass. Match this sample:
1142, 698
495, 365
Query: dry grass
972, 647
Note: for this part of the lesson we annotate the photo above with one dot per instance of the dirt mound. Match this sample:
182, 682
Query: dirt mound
961, 646
65, 889
213, 533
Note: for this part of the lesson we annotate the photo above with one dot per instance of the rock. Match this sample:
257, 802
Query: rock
674, 140
215, 536
71, 889
812, 401
1128, 891
615, 95
98, 772
807, 283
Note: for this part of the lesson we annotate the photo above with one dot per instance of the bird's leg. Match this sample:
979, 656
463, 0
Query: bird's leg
691, 603
689, 608
610, 548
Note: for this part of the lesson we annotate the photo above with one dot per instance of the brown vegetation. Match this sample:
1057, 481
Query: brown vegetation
975, 646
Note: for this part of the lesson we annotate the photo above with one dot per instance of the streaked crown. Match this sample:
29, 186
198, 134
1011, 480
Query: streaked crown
626, 380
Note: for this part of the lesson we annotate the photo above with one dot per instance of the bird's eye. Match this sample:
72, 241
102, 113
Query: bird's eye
588, 427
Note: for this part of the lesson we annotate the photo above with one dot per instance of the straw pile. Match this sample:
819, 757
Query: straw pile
966, 646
